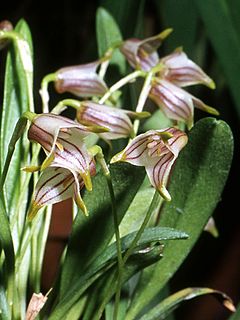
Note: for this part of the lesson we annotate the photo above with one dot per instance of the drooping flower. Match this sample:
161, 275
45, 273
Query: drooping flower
176, 103
170, 73
157, 151
117, 121
80, 80
63, 142
68, 166
178, 69
57, 183
142, 54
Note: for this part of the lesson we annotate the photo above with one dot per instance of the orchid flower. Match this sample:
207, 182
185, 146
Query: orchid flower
81, 80
176, 103
68, 166
63, 141
142, 54
117, 121
178, 69
157, 151
58, 183
169, 74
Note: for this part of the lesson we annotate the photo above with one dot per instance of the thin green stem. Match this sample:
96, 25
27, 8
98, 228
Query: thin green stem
61, 106
44, 91
153, 205
142, 99
99, 155
129, 78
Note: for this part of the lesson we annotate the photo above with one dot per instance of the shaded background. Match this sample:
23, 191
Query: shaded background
64, 34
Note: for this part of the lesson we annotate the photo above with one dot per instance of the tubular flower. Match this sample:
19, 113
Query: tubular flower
63, 142
175, 102
58, 183
181, 71
81, 80
117, 121
142, 54
157, 151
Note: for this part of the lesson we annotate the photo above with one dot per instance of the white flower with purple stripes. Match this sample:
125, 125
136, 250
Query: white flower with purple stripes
176, 103
80, 80
142, 54
58, 183
157, 151
63, 141
181, 71
116, 120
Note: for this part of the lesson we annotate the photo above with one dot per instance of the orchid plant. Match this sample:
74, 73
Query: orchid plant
137, 172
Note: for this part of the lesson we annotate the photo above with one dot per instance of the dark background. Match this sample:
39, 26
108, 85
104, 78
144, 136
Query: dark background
64, 34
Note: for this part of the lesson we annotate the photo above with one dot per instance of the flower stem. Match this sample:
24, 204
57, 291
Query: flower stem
44, 90
129, 78
63, 104
153, 205
116, 278
142, 99
100, 158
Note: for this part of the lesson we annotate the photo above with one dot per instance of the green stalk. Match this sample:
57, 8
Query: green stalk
129, 78
44, 90
142, 99
153, 205
99, 155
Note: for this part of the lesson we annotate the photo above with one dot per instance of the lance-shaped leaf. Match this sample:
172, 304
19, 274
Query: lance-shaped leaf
176, 103
196, 186
180, 70
156, 150
142, 54
117, 121
81, 80
165, 307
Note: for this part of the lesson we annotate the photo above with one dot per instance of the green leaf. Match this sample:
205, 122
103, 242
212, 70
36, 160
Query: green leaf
196, 186
182, 17
5, 313
16, 100
107, 259
108, 35
225, 41
6, 244
172, 302
90, 236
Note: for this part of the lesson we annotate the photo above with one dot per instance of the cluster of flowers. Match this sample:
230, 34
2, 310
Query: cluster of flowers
69, 164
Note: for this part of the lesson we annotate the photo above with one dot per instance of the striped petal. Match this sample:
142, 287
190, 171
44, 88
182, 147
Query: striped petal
175, 102
115, 120
142, 54
156, 150
56, 184
81, 80
182, 71
62, 139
